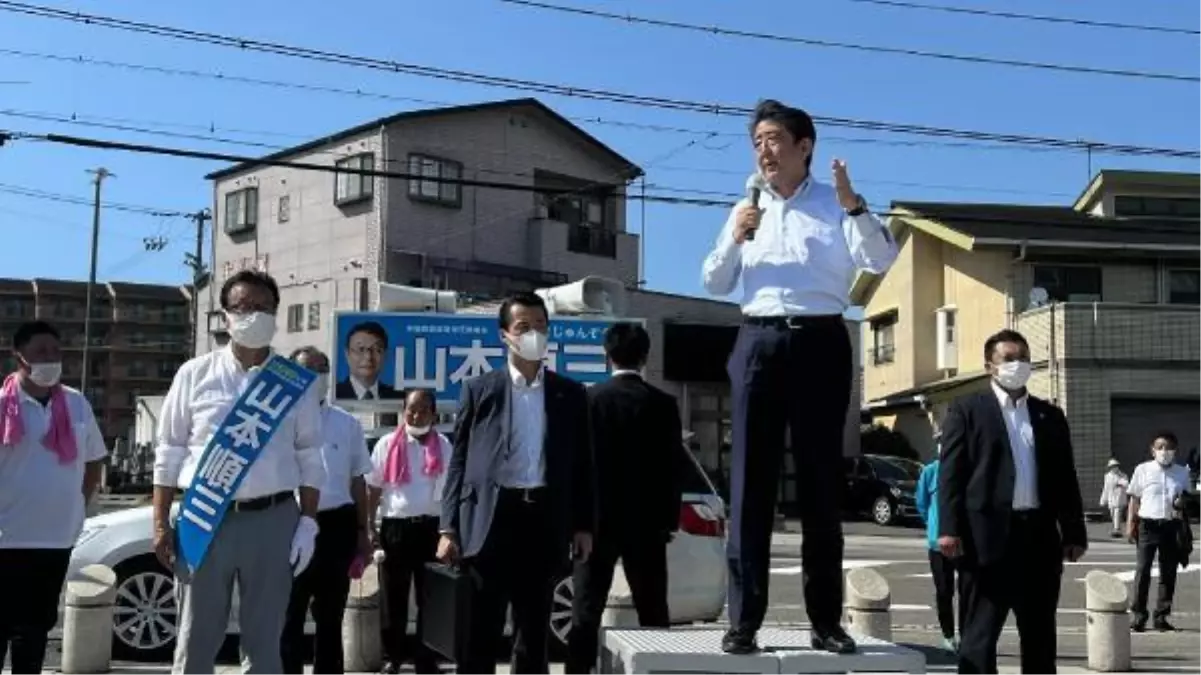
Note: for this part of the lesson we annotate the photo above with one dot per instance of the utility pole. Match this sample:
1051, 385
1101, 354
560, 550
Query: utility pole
199, 271
100, 174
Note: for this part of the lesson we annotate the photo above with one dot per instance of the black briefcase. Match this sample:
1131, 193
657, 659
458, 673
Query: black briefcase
447, 598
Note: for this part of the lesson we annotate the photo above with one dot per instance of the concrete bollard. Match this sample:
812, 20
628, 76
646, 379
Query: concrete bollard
619, 608
1106, 601
88, 621
361, 641
868, 599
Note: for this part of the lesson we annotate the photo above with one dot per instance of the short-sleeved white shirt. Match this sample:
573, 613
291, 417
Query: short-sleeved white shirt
41, 500
1157, 487
344, 454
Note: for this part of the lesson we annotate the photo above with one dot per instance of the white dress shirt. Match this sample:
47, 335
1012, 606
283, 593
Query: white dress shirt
360, 389
41, 501
525, 464
201, 395
804, 256
1157, 487
344, 455
1021, 444
422, 495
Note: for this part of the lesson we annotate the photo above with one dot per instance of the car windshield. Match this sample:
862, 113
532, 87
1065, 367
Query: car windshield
895, 468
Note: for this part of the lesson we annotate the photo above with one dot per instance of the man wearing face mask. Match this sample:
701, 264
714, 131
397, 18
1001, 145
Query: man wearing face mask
1009, 509
796, 250
343, 522
407, 479
263, 539
1156, 491
520, 489
51, 460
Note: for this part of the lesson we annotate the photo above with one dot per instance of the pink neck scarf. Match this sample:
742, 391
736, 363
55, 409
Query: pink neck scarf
396, 468
59, 438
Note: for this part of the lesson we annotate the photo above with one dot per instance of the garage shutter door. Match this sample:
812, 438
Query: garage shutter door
1134, 421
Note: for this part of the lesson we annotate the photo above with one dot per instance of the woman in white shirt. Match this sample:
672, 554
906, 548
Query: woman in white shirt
1113, 495
405, 486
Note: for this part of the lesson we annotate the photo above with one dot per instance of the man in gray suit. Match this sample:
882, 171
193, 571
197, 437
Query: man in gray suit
520, 490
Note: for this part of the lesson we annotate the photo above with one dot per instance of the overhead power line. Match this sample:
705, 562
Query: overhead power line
996, 14
34, 193
852, 46
534, 86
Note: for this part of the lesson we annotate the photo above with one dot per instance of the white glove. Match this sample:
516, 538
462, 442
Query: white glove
304, 542
378, 556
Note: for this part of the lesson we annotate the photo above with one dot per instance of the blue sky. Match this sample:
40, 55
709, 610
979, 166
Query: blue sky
51, 239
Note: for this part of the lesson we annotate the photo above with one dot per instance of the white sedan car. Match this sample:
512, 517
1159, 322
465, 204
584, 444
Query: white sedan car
144, 621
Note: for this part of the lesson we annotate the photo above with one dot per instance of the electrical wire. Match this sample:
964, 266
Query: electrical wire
325, 56
1092, 23
851, 46
35, 193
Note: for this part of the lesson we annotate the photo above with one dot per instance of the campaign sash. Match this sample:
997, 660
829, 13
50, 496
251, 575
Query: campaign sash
233, 449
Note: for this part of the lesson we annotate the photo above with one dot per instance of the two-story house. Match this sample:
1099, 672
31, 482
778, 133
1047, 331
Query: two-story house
1106, 291
330, 238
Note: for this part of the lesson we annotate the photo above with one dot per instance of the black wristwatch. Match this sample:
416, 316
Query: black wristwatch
860, 207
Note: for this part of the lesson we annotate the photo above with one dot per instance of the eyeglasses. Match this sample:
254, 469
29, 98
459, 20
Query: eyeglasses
364, 351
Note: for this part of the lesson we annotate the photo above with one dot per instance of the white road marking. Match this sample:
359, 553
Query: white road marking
1128, 575
793, 570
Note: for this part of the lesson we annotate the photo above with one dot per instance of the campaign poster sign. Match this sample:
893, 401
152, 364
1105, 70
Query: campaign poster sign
379, 355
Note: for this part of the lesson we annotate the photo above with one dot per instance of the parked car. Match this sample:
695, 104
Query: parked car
881, 487
145, 613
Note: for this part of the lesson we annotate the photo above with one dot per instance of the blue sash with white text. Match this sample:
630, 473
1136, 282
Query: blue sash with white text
245, 431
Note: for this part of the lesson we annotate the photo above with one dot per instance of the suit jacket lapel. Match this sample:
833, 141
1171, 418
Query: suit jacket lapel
1001, 430
550, 401
504, 381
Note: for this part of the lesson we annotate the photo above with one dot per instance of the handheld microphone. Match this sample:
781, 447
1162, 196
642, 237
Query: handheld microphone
754, 185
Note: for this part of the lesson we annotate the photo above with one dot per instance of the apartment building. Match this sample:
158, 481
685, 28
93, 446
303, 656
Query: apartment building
140, 337
1105, 289
329, 239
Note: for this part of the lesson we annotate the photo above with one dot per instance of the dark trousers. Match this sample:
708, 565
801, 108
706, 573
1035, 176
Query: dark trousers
31, 580
1156, 537
517, 566
1026, 581
797, 378
408, 544
644, 561
325, 583
942, 569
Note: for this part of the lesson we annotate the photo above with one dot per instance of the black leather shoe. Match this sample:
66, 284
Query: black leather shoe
738, 642
1163, 626
390, 668
1138, 625
834, 640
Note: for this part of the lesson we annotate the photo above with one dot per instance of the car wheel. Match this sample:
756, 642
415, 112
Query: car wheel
560, 612
883, 512
145, 613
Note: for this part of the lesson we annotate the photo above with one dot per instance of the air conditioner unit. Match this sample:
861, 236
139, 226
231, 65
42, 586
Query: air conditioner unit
946, 339
590, 295
398, 298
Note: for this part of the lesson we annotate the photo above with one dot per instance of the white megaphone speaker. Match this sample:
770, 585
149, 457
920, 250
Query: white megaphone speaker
398, 298
590, 295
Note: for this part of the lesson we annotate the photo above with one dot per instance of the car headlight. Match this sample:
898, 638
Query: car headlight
896, 491
89, 532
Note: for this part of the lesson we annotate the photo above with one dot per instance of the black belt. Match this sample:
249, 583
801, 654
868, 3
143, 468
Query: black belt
526, 495
793, 322
261, 503
1027, 514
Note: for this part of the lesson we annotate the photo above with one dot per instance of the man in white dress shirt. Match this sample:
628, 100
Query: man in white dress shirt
344, 532
264, 539
796, 252
408, 475
1153, 522
49, 469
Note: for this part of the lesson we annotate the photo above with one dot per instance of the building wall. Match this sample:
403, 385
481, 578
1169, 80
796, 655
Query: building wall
976, 283
894, 291
927, 295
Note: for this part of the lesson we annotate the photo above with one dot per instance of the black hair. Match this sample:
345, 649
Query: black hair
250, 278
627, 344
32, 329
371, 328
311, 350
421, 392
1167, 436
525, 299
796, 121
1007, 335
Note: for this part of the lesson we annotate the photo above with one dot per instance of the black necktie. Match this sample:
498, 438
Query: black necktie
368, 395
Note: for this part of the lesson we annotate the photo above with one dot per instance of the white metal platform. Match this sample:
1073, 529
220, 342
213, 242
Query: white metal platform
698, 650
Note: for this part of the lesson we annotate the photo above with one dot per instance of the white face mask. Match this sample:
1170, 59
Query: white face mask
321, 384
417, 432
1165, 457
46, 374
530, 345
254, 330
1013, 375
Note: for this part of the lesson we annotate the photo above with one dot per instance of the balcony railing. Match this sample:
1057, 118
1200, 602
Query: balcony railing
592, 241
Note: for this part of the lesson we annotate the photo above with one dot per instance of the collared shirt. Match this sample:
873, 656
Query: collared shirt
621, 371
804, 256
201, 395
1021, 444
41, 501
1157, 487
361, 390
344, 455
422, 495
524, 465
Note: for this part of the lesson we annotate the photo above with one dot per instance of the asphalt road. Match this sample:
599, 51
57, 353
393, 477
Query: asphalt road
899, 554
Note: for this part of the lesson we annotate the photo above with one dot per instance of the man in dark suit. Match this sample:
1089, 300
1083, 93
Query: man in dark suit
366, 346
1009, 509
638, 444
520, 490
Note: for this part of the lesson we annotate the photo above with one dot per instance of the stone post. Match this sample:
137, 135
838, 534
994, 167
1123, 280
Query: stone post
619, 608
361, 641
1106, 601
868, 599
88, 621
